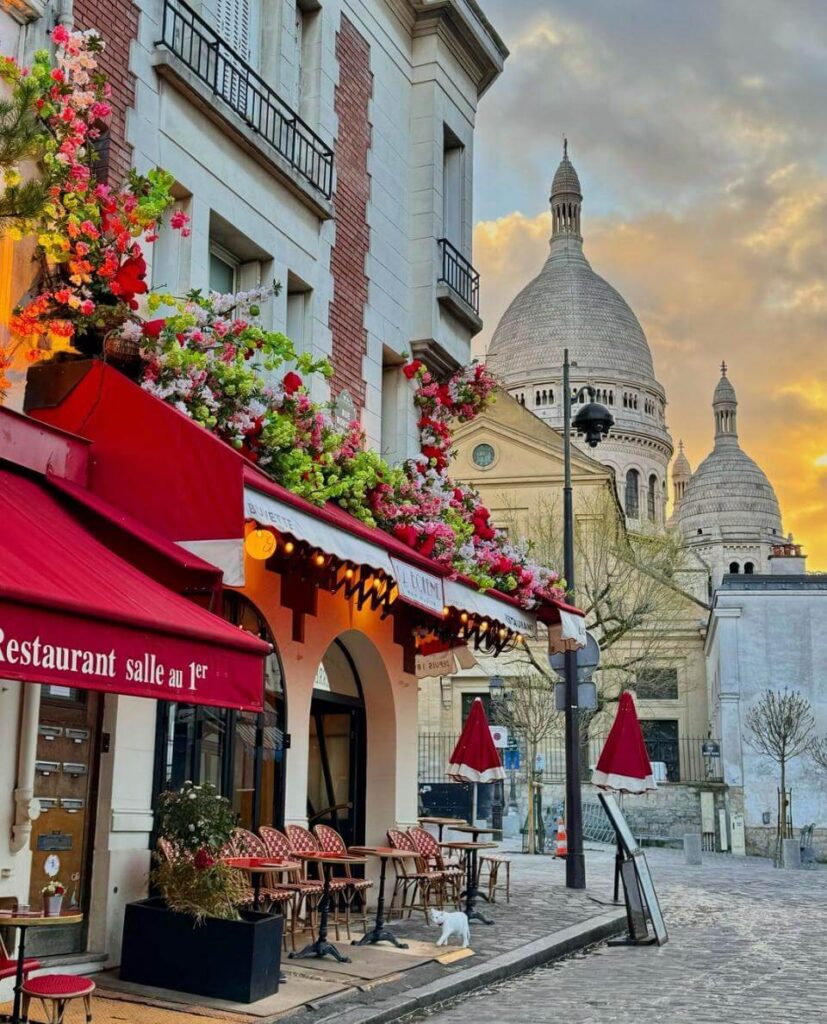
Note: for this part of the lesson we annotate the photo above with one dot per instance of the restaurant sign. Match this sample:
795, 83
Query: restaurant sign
45, 645
418, 587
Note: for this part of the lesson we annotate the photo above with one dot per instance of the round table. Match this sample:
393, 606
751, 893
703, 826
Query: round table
379, 933
22, 922
321, 947
471, 850
475, 831
257, 868
442, 823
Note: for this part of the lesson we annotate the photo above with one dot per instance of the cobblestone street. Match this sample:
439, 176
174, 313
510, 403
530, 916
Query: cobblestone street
746, 945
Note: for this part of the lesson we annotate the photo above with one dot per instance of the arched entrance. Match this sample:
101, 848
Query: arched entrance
240, 752
337, 748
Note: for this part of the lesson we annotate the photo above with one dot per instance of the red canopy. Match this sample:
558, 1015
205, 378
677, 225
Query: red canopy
73, 613
624, 763
475, 758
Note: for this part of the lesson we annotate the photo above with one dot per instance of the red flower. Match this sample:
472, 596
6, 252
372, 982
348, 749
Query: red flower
203, 860
153, 328
406, 533
291, 383
129, 280
411, 369
426, 545
458, 495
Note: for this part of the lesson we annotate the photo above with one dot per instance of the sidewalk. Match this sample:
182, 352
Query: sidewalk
543, 922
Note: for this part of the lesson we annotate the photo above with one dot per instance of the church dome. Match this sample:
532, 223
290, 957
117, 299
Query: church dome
729, 490
569, 306
681, 470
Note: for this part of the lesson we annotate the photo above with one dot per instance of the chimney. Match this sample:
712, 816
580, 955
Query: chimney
788, 559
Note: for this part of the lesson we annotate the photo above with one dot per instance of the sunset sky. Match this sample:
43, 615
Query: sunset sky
699, 131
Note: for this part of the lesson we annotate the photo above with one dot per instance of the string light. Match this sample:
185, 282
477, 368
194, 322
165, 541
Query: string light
348, 574
289, 547
483, 626
463, 617
319, 559
260, 544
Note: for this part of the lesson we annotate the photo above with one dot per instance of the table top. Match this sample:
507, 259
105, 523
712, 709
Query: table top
40, 919
383, 851
469, 846
332, 858
261, 865
443, 821
476, 830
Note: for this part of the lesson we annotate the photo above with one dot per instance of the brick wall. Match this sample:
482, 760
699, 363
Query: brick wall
117, 22
350, 250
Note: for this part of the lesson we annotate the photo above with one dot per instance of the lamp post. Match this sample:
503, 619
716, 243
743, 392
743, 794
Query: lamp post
594, 422
496, 689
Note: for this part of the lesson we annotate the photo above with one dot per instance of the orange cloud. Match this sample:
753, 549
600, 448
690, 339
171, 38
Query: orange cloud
740, 276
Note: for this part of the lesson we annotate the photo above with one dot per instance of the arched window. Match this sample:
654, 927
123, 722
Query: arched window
536, 397
749, 568
633, 494
734, 568
650, 497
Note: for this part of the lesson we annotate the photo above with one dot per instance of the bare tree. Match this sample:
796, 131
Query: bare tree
780, 727
528, 711
818, 752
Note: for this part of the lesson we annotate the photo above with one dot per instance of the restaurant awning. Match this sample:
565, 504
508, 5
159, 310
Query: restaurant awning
74, 613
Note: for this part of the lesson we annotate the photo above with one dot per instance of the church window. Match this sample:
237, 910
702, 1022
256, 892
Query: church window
734, 568
611, 398
650, 497
536, 397
749, 568
700, 531
483, 456
657, 684
633, 494
551, 398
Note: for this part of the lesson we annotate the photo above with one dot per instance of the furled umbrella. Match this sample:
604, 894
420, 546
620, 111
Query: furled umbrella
624, 764
475, 758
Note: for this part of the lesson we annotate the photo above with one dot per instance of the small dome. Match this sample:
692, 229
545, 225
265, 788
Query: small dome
681, 470
724, 391
565, 179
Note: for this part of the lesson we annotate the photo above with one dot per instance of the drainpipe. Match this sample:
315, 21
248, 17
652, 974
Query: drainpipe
64, 13
26, 805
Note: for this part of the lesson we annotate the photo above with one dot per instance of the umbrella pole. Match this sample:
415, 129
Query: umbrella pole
474, 799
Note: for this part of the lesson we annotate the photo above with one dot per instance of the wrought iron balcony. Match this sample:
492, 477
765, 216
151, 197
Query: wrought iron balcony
459, 275
228, 76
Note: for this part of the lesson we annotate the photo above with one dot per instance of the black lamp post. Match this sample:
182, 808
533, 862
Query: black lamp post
594, 422
496, 689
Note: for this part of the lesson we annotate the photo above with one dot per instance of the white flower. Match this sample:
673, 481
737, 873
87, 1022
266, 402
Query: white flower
191, 827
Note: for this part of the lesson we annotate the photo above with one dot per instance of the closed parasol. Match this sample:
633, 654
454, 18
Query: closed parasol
624, 764
475, 758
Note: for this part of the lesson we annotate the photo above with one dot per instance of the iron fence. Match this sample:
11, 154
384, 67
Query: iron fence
227, 74
458, 274
682, 759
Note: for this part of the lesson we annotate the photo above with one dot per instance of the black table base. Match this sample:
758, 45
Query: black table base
379, 933
471, 890
321, 947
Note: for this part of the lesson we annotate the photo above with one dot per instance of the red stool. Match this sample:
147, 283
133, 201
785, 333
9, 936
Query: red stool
54, 991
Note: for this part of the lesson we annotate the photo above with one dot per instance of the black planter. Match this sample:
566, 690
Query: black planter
235, 960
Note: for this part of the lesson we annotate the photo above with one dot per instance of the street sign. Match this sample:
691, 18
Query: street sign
539, 762
586, 696
499, 734
588, 658
511, 759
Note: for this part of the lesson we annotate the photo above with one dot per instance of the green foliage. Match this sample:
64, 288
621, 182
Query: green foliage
213, 891
195, 818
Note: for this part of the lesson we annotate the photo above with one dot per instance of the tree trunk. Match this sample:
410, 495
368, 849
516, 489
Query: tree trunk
531, 751
783, 822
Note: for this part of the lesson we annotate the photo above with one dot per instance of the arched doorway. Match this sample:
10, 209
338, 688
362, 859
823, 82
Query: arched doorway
240, 752
336, 756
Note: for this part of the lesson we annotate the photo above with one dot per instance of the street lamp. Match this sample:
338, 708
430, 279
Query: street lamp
593, 421
496, 690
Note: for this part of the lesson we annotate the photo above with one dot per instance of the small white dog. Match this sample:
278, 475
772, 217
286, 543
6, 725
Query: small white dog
453, 922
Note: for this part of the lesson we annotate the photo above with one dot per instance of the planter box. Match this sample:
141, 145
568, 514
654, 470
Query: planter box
235, 960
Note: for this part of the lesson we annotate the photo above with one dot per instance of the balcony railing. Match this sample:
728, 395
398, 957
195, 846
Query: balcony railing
229, 77
459, 275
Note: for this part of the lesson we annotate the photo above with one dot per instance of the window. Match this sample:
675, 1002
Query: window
733, 567
483, 456
468, 700
223, 270
633, 494
308, 54
298, 324
749, 568
452, 171
657, 684
661, 739
650, 497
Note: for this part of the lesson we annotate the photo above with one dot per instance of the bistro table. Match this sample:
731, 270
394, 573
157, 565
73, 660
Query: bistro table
379, 933
475, 831
257, 867
442, 823
471, 849
21, 922
321, 947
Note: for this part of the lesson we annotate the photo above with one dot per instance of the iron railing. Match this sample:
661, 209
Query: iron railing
228, 76
459, 275
683, 758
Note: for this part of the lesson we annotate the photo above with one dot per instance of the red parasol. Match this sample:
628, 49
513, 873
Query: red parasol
475, 758
624, 763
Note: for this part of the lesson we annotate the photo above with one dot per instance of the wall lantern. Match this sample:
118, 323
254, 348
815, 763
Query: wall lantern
260, 544
496, 688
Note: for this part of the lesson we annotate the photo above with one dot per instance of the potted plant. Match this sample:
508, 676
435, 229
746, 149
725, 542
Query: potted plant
53, 894
193, 937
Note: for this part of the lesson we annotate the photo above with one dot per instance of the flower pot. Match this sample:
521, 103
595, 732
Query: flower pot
235, 960
52, 905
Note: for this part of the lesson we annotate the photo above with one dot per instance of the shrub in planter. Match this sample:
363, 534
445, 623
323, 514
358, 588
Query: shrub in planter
194, 938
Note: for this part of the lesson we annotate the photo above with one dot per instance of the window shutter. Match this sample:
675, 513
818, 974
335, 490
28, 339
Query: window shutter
238, 23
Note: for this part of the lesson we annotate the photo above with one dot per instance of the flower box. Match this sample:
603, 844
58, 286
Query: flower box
235, 960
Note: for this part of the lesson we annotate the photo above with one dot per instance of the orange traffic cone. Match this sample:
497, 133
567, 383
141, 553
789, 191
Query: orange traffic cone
561, 848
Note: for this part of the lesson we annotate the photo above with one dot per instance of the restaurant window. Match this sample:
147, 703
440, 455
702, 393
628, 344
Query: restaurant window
240, 752
657, 684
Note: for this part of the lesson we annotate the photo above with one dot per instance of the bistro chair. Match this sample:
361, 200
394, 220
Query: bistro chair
248, 844
409, 883
54, 991
308, 891
302, 841
491, 864
331, 842
431, 853
8, 965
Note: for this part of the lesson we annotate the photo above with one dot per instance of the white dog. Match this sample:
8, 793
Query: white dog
453, 922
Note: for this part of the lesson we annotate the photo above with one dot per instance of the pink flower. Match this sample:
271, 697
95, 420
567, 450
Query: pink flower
60, 34
87, 307
179, 220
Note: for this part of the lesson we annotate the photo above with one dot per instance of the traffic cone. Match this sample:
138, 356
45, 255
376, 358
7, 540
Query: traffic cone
561, 848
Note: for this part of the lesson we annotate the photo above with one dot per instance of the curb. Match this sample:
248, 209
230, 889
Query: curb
533, 954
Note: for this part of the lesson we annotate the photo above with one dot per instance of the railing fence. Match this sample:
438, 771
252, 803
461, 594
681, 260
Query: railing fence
458, 274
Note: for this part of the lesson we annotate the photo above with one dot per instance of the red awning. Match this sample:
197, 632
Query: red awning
73, 613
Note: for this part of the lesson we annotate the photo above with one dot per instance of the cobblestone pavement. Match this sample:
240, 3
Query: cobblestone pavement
747, 944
